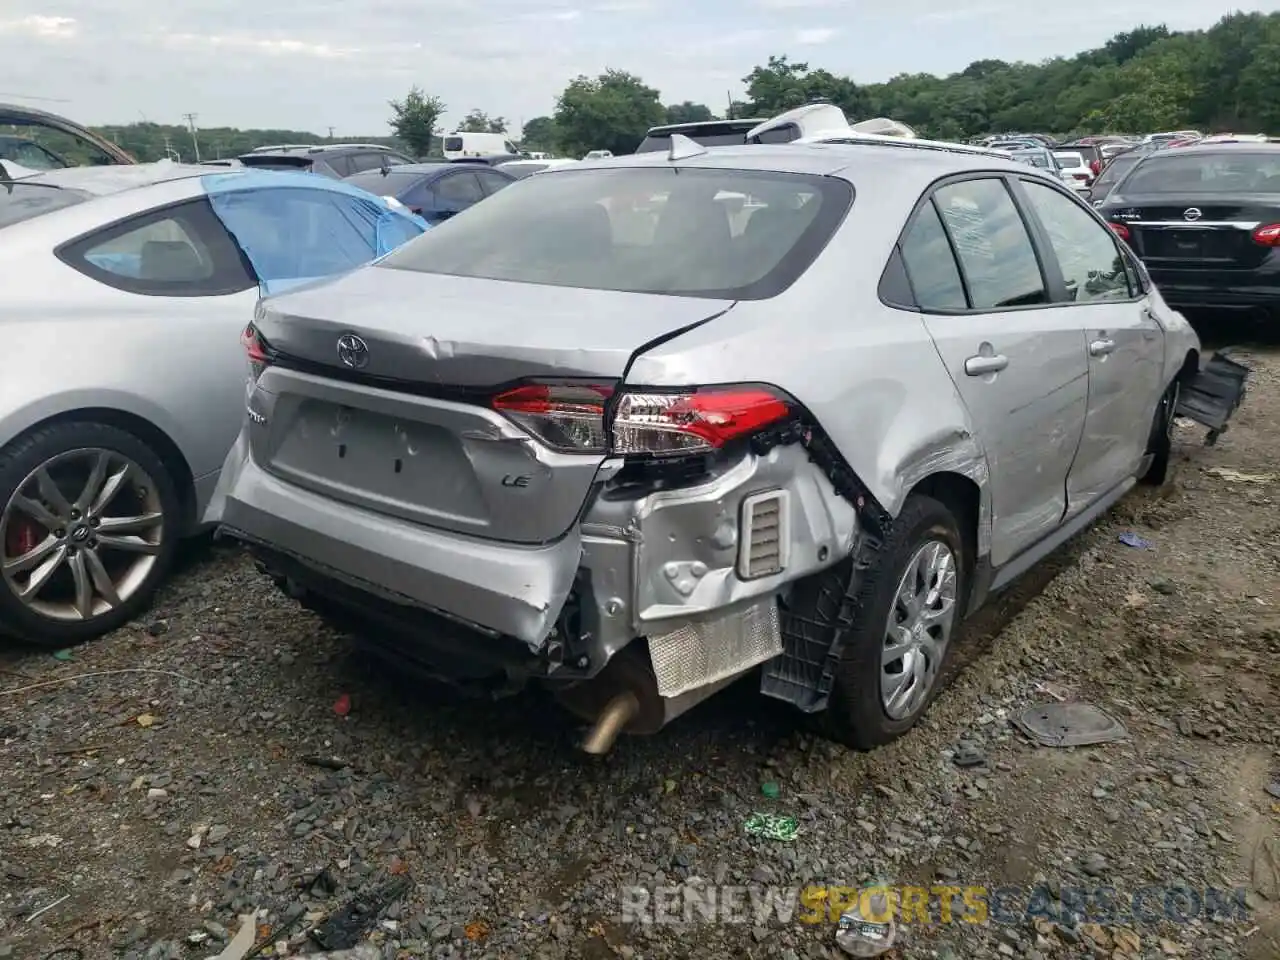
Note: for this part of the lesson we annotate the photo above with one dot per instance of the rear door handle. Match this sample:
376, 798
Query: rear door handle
1100, 348
980, 366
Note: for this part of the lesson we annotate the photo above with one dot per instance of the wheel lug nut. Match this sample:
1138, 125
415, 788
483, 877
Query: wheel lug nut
93, 544
94, 522
59, 534
75, 514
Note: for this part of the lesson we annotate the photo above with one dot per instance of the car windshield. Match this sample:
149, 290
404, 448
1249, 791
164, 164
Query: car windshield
22, 201
727, 234
275, 161
392, 184
1224, 172
1114, 170
708, 138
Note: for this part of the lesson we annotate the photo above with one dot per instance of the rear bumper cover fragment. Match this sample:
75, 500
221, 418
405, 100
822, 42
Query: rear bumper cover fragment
1214, 394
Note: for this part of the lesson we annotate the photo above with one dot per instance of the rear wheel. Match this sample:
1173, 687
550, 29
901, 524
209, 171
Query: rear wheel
898, 644
1160, 443
89, 520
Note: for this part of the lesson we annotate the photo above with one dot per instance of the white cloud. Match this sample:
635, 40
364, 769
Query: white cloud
309, 64
40, 25
815, 36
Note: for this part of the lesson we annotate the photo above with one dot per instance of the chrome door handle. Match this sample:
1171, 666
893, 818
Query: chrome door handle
980, 366
1100, 348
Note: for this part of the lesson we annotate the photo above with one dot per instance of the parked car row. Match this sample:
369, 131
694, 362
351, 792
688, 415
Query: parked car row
659, 486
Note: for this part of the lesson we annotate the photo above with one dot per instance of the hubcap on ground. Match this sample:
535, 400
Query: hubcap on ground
80, 534
919, 629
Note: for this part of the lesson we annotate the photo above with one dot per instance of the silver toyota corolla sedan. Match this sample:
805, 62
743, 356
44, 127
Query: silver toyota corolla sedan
621, 430
125, 289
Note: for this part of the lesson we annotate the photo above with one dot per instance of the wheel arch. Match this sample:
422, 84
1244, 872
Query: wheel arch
963, 496
156, 438
1190, 366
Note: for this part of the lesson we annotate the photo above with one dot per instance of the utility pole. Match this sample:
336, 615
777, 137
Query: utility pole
331, 133
729, 97
191, 124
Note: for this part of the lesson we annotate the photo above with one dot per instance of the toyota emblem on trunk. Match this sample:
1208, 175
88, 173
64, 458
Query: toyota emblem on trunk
353, 351
1191, 213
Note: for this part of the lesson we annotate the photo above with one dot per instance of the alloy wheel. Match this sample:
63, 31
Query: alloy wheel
919, 629
80, 535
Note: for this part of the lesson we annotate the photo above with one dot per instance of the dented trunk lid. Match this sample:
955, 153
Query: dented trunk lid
409, 432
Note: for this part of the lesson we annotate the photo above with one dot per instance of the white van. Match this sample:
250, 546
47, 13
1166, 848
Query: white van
463, 144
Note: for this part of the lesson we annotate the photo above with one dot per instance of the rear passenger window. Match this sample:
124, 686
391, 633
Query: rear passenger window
931, 266
996, 256
181, 251
1087, 253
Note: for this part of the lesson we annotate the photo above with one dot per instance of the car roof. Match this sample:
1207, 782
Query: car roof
846, 161
1238, 147
105, 180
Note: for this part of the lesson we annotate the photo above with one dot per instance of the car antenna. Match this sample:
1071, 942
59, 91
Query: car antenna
383, 167
682, 147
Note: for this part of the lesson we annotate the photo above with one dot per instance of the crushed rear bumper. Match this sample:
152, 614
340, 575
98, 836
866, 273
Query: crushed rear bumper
1214, 394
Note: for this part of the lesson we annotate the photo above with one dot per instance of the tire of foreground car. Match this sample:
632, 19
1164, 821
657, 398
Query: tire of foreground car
910, 602
89, 522
1160, 443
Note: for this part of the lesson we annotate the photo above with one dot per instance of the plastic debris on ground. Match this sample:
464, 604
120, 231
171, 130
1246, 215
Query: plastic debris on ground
242, 942
859, 936
772, 826
1236, 476
62, 655
969, 754
342, 706
770, 790
345, 928
1130, 539
1073, 724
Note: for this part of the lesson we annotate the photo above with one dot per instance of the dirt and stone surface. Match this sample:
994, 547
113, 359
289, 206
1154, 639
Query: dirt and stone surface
150, 810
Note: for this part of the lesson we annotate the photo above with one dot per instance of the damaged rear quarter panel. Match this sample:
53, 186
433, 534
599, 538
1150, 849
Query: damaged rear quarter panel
869, 374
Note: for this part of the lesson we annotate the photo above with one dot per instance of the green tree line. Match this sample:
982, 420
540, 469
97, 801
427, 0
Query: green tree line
1223, 79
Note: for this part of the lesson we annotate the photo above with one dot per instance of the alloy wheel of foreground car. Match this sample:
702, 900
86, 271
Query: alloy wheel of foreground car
86, 532
919, 630
908, 608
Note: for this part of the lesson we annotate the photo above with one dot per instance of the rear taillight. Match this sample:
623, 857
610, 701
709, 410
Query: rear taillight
255, 351
590, 418
1096, 167
1120, 230
564, 416
1267, 236
662, 424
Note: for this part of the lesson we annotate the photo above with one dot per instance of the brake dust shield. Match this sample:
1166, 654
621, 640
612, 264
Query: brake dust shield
1074, 724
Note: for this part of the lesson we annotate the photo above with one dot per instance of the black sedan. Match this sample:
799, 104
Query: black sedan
1206, 222
434, 191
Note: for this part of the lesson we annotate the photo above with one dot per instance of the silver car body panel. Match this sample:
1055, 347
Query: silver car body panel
882, 382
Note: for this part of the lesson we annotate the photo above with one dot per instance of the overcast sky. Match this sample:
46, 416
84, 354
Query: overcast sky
312, 64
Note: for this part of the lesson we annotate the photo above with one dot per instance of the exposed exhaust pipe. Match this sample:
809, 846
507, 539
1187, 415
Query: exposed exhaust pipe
621, 709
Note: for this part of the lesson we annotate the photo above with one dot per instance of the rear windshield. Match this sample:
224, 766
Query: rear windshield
1224, 172
392, 184
452, 143
728, 234
1069, 159
266, 161
1114, 170
521, 170
19, 201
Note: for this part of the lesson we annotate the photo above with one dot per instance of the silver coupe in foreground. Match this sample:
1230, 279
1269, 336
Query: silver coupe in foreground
125, 289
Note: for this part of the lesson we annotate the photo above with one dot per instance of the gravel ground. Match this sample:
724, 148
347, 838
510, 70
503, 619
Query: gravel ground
154, 808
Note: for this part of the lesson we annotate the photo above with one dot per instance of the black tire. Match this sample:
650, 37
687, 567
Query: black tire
29, 452
1160, 441
856, 715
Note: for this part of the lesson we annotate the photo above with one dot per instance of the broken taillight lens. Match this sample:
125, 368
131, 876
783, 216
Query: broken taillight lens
572, 417
662, 424
256, 351
1120, 230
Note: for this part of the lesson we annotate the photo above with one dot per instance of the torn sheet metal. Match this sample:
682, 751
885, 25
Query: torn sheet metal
1074, 724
